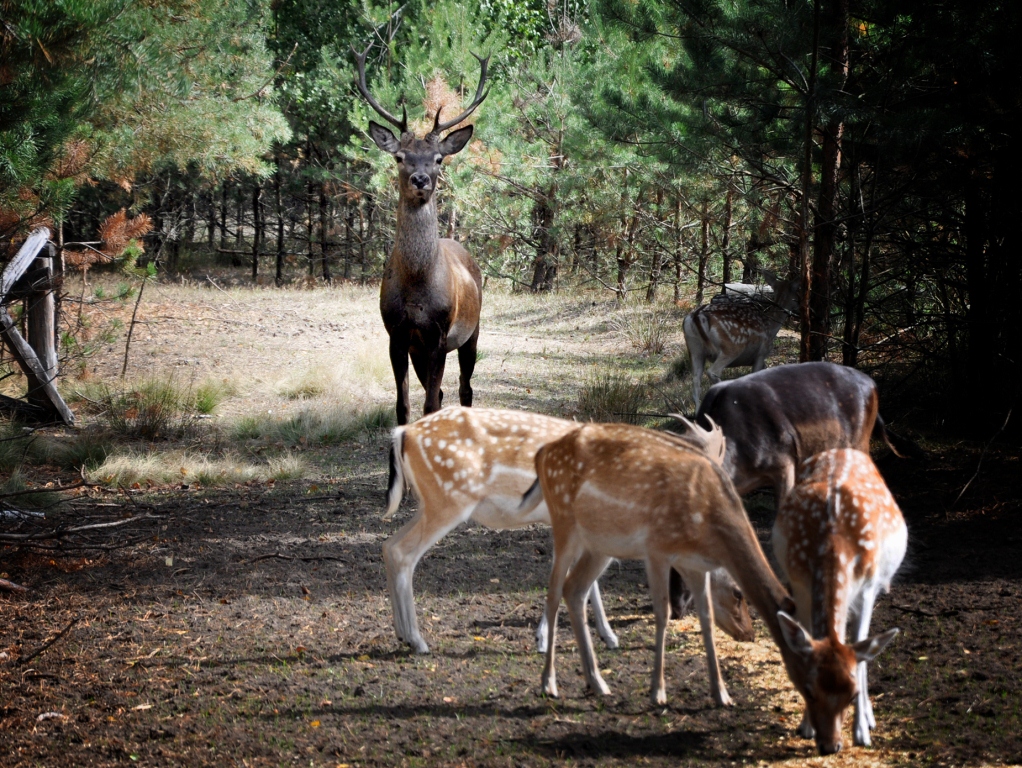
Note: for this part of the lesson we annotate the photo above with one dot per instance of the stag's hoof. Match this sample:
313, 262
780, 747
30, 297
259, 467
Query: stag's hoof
611, 641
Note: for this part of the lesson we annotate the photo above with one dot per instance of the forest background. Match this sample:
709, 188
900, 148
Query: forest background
643, 148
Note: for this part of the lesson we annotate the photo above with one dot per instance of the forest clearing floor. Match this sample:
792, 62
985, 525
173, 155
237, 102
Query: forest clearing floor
249, 624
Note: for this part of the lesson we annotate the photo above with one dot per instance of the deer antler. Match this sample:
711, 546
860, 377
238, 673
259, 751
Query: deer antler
360, 62
712, 439
439, 127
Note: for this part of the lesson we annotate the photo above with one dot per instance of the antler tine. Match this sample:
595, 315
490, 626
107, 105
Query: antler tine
360, 62
713, 439
439, 127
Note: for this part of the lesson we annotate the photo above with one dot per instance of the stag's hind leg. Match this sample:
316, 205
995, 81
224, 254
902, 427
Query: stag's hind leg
467, 363
581, 578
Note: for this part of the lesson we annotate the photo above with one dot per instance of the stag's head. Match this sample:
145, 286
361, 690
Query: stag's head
826, 676
419, 160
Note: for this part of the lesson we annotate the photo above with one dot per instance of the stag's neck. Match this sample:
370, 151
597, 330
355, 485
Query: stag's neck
416, 242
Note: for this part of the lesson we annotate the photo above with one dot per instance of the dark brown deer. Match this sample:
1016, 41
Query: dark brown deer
432, 288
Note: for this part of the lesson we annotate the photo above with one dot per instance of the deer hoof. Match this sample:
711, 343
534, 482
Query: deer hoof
611, 641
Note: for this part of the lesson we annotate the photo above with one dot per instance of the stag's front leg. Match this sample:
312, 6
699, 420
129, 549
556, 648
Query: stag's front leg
700, 584
467, 364
436, 360
864, 719
399, 362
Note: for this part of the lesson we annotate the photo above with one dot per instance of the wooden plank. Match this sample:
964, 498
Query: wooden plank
25, 256
34, 372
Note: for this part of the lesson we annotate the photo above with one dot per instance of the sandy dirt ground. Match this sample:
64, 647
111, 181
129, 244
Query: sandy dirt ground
249, 625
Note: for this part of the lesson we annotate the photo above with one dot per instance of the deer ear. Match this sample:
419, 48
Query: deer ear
383, 137
455, 141
795, 636
870, 648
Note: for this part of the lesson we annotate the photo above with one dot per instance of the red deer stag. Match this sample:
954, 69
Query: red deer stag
432, 288
839, 538
736, 330
475, 464
620, 491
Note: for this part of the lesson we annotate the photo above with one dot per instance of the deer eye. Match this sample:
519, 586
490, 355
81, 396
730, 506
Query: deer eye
439, 159
399, 157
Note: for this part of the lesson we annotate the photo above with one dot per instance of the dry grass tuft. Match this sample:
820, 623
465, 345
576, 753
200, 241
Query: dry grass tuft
612, 397
163, 468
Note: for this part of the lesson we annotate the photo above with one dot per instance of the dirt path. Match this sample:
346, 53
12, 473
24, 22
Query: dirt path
249, 626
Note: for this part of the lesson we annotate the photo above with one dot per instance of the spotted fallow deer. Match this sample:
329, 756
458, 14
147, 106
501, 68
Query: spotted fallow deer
736, 330
839, 538
621, 491
432, 288
475, 463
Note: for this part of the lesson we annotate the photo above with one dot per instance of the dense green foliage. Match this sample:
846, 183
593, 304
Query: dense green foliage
635, 147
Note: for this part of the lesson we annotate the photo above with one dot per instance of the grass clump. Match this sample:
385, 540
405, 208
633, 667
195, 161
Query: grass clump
613, 397
12, 492
188, 467
648, 329
316, 425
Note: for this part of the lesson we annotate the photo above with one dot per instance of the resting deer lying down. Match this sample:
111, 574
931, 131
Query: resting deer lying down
475, 463
839, 537
620, 491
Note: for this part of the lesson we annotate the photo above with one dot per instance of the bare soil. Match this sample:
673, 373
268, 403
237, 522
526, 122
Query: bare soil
250, 626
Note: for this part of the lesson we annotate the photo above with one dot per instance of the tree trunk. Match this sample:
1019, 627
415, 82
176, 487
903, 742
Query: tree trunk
704, 251
545, 265
257, 227
805, 268
324, 231
678, 250
725, 242
656, 259
279, 276
223, 215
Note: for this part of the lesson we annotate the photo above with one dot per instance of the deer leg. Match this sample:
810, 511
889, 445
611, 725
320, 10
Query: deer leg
565, 553
681, 597
576, 589
722, 362
436, 359
401, 553
467, 363
864, 719
700, 585
399, 362
658, 574
600, 617
698, 361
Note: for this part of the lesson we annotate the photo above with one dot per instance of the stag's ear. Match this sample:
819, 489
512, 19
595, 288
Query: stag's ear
795, 635
455, 141
383, 137
870, 648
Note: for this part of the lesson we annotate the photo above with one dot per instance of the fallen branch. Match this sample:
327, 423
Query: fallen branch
28, 491
980, 463
58, 533
26, 659
10, 586
278, 556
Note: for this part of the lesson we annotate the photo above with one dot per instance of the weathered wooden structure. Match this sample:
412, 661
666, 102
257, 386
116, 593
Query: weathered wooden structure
32, 275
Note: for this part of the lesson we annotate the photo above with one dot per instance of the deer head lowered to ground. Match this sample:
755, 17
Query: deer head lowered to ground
839, 538
475, 464
736, 330
614, 490
432, 288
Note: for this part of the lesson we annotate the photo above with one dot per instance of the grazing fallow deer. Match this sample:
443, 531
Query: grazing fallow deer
736, 330
475, 464
839, 538
621, 491
780, 416
432, 288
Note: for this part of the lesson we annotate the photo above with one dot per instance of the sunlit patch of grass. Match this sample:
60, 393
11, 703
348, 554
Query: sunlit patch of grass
648, 328
165, 467
316, 424
210, 394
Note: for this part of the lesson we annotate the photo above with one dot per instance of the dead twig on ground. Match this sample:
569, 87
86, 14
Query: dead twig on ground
45, 646
10, 586
980, 463
279, 556
57, 533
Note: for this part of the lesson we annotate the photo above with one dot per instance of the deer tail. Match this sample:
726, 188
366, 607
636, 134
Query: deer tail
396, 483
902, 447
532, 498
